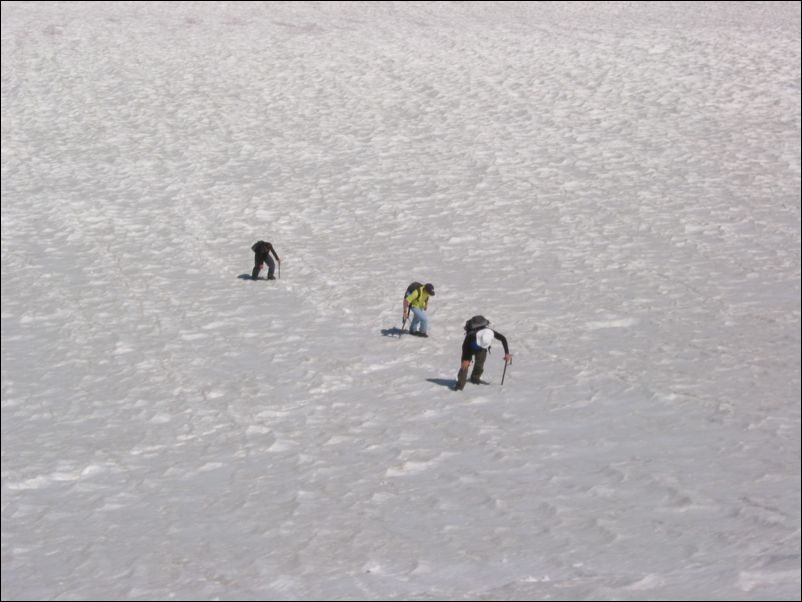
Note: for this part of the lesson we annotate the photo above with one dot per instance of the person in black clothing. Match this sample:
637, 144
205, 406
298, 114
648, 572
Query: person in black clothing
262, 252
476, 345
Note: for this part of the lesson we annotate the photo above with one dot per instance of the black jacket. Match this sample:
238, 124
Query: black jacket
469, 346
262, 249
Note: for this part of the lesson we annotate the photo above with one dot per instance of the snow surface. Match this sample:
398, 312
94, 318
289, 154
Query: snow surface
616, 186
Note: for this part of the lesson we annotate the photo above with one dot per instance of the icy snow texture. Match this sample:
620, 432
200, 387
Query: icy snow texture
616, 186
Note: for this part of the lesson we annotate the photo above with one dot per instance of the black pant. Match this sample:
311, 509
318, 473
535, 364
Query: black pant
258, 260
479, 358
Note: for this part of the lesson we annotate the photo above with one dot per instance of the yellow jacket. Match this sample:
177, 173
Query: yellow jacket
418, 298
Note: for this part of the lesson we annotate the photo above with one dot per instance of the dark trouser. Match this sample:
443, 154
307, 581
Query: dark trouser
478, 368
271, 266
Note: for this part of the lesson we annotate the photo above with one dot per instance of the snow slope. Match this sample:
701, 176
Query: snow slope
616, 186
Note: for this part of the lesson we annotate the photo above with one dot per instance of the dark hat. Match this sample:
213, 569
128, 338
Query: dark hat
429, 288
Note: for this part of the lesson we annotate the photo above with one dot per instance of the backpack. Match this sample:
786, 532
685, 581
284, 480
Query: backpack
476, 323
413, 286
257, 245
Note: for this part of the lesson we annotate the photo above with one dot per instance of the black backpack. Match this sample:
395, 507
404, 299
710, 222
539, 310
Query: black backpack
413, 286
256, 246
476, 323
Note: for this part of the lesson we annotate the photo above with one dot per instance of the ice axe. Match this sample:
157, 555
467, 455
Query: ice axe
505, 371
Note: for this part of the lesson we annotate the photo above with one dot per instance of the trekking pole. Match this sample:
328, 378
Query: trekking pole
279, 269
403, 323
505, 371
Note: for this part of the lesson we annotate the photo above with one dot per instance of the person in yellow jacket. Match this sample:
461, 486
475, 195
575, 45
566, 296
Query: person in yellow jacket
417, 301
